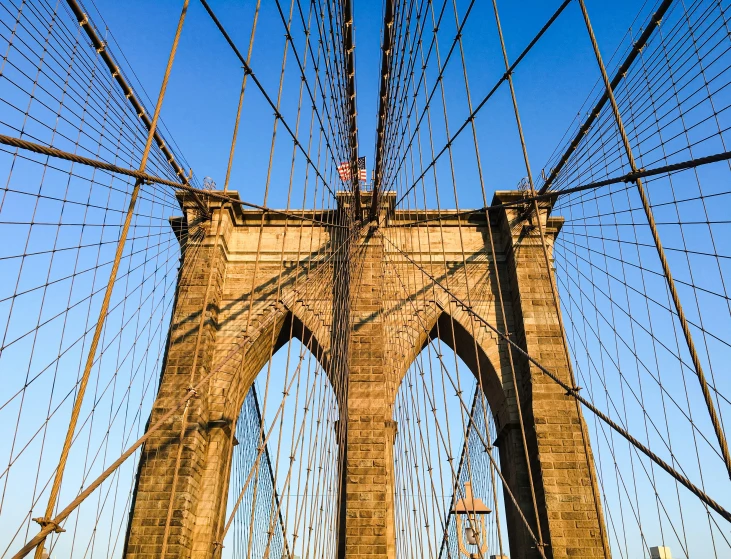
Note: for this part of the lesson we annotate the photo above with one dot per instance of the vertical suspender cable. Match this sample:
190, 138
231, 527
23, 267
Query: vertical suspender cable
218, 543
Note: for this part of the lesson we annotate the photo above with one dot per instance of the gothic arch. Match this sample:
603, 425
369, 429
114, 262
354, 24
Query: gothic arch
277, 327
480, 353
473, 343
384, 325
271, 330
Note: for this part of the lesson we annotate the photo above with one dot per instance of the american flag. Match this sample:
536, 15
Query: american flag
362, 175
344, 170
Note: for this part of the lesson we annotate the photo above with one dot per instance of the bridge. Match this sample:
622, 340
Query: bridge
338, 349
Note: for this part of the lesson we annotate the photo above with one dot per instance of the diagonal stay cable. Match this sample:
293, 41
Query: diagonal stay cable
102, 50
658, 244
553, 194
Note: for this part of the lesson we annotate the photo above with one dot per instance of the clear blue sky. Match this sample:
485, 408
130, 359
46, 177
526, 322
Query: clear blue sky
552, 83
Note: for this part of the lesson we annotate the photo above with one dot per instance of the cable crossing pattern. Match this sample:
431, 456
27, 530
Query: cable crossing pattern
464, 355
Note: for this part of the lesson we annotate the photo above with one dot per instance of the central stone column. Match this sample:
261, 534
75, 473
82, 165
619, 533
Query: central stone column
369, 482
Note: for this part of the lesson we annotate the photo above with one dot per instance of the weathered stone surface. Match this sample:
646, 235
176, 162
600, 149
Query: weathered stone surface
266, 280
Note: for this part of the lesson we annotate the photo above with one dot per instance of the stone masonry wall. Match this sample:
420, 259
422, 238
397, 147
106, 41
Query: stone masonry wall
273, 280
564, 477
159, 457
369, 490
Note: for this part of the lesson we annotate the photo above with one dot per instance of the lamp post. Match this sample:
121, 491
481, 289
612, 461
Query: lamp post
473, 510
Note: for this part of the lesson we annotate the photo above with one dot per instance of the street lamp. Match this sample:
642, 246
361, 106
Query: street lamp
476, 531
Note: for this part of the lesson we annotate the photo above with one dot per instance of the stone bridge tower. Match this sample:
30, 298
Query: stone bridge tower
252, 309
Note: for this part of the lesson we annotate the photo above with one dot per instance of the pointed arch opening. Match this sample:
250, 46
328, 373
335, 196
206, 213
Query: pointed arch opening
445, 440
480, 354
284, 462
276, 327
476, 347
